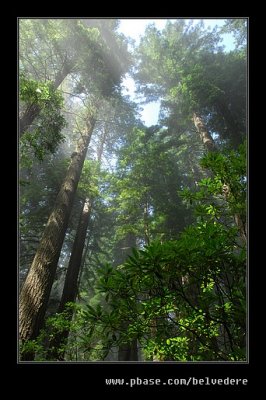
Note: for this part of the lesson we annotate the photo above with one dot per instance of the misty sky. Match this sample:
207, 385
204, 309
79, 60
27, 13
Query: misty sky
135, 28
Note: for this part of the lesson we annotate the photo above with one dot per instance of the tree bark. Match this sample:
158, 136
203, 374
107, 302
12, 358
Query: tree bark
71, 281
146, 224
56, 349
203, 132
36, 289
70, 287
28, 117
62, 74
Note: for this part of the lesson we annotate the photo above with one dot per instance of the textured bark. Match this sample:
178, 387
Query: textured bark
203, 132
73, 276
36, 289
242, 226
71, 282
28, 117
70, 289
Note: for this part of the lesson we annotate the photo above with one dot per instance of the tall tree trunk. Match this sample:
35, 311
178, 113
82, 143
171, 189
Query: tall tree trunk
36, 289
127, 351
56, 349
28, 117
67, 67
70, 289
203, 132
146, 223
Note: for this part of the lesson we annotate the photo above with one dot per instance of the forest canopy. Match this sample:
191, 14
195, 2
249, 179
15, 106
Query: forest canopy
132, 237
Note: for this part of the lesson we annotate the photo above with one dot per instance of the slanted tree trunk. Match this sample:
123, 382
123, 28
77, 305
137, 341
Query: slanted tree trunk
56, 349
36, 289
61, 75
28, 117
71, 282
70, 290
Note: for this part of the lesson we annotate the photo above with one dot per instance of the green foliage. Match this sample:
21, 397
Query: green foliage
223, 195
168, 293
185, 68
34, 92
239, 29
89, 181
183, 300
145, 187
181, 293
31, 347
91, 48
230, 178
39, 186
46, 134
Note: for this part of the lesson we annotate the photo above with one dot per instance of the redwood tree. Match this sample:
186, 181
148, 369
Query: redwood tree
37, 286
70, 290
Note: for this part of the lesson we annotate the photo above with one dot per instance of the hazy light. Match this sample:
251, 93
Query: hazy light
129, 87
135, 28
150, 113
